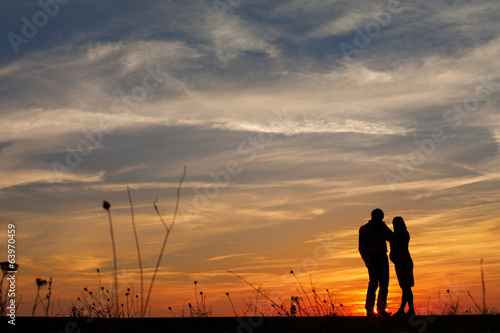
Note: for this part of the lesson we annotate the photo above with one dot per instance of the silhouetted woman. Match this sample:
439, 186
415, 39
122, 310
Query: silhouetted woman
400, 256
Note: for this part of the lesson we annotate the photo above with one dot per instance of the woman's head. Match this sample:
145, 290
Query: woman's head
399, 224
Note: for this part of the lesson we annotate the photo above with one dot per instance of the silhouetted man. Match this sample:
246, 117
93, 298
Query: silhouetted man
373, 250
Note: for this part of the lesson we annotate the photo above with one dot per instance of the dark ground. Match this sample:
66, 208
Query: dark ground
420, 324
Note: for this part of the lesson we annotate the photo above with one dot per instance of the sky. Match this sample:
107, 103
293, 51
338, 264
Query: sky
294, 120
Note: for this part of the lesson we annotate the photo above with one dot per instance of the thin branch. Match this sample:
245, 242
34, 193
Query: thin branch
165, 240
258, 291
48, 297
484, 288
300, 284
159, 215
230, 300
107, 206
138, 247
36, 301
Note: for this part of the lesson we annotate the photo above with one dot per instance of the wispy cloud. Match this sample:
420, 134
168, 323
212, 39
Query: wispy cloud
228, 256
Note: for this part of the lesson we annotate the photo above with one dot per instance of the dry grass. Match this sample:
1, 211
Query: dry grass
103, 305
307, 303
41, 300
107, 306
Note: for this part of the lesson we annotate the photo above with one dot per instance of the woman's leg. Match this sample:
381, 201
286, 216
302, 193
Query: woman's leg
409, 299
404, 298
403, 293
401, 310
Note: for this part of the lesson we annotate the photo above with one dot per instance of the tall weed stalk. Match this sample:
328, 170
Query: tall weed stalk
138, 248
116, 306
168, 229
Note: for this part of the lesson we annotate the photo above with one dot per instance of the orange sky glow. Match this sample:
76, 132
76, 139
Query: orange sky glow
446, 258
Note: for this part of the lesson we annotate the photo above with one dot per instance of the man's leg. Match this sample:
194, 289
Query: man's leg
383, 275
372, 288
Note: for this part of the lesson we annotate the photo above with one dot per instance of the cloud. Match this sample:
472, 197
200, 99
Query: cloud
228, 256
233, 37
349, 21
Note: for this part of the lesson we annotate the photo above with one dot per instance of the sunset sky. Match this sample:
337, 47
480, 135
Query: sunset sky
294, 119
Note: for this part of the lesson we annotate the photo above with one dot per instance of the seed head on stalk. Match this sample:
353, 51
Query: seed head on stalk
107, 207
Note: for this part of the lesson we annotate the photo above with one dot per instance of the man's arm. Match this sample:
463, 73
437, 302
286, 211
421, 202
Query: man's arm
389, 234
362, 246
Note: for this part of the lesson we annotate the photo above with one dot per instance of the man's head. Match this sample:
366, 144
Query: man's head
377, 214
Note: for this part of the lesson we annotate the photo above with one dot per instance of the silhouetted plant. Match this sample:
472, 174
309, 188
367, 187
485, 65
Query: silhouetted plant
281, 310
138, 248
99, 275
4, 300
451, 306
49, 295
5, 266
143, 306
107, 207
170, 308
477, 307
168, 230
304, 292
202, 308
485, 310
103, 306
322, 304
481, 309
41, 283
232, 305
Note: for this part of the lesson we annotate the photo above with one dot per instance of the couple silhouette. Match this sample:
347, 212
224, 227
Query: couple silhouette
373, 249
